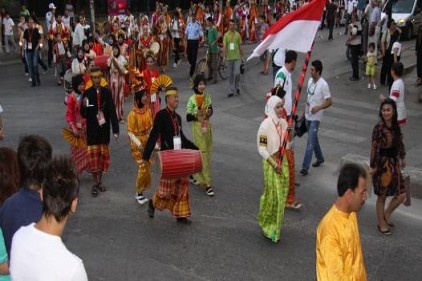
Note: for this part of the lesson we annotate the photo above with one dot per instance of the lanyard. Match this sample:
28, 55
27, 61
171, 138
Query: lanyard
98, 99
279, 132
174, 120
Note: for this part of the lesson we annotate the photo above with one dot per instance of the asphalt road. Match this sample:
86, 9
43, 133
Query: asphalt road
118, 241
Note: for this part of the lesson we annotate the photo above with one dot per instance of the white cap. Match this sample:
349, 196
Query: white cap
51, 6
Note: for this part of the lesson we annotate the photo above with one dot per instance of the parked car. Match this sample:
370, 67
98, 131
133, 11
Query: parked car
407, 15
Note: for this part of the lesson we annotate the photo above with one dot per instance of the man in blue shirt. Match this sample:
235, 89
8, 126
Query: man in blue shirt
25, 206
193, 34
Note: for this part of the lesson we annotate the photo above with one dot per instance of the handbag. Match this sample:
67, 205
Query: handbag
406, 182
300, 126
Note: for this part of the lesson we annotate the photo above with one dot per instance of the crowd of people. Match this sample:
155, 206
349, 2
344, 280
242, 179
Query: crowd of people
125, 56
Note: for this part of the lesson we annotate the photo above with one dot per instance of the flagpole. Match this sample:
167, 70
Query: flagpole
297, 98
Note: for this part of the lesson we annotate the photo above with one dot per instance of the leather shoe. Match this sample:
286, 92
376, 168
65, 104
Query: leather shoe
303, 172
184, 220
318, 163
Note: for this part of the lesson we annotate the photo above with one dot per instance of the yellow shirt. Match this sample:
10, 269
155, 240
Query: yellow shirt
338, 248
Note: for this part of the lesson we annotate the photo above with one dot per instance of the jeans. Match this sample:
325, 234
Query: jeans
32, 60
234, 75
313, 145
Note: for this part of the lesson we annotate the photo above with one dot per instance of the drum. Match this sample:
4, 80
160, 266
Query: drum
180, 163
101, 62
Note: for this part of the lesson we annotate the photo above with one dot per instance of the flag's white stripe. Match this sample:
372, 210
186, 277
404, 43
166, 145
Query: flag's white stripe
297, 35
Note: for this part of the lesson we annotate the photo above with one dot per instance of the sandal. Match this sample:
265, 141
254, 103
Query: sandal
388, 222
94, 190
101, 187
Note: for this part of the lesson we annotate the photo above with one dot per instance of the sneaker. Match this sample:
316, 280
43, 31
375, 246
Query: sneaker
138, 195
374, 87
179, 61
142, 200
30, 80
174, 65
230, 95
303, 172
193, 181
26, 74
369, 86
209, 192
295, 206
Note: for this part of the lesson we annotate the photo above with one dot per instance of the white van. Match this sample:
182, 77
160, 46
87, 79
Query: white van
407, 15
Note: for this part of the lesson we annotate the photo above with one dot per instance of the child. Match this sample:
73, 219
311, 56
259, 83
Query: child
371, 69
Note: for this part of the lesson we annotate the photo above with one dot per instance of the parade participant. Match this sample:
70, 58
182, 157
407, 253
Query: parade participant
244, 27
387, 159
283, 79
38, 252
25, 206
100, 112
118, 64
218, 18
176, 33
172, 193
121, 38
78, 34
61, 54
144, 45
199, 111
88, 52
319, 98
22, 26
213, 51
157, 13
331, 9
50, 19
338, 245
269, 140
32, 45
193, 35
139, 125
233, 55
9, 38
253, 20
79, 63
150, 73
162, 36
108, 46
76, 123
40, 28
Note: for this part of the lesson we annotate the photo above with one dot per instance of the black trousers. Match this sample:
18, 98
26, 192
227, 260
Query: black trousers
355, 50
387, 62
176, 49
50, 52
192, 52
419, 64
330, 25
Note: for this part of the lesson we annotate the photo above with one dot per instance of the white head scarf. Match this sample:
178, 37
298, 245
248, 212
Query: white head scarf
270, 108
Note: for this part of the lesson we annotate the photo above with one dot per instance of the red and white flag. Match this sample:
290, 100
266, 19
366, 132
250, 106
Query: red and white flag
294, 31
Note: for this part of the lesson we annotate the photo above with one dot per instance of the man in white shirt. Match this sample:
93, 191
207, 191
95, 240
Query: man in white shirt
9, 40
397, 93
278, 57
374, 31
319, 98
78, 34
283, 79
38, 252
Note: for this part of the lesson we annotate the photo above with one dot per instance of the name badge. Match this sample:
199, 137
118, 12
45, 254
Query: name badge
29, 45
100, 118
231, 46
177, 143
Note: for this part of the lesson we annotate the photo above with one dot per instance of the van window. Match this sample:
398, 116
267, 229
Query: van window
403, 6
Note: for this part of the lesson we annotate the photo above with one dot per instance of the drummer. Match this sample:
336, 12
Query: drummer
172, 193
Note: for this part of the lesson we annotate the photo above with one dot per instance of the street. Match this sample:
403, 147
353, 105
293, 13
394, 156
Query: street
117, 240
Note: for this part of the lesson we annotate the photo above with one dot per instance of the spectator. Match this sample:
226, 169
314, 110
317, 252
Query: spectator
9, 39
78, 34
24, 12
338, 245
50, 18
354, 42
418, 48
38, 252
32, 45
25, 206
9, 173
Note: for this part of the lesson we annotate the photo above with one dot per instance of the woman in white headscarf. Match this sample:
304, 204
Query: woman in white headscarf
276, 173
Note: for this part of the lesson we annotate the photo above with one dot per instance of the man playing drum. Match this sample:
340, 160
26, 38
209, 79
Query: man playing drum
172, 193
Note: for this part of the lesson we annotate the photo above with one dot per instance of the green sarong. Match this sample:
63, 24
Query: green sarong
273, 200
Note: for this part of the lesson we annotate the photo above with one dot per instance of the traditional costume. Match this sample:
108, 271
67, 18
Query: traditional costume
163, 38
117, 64
172, 193
139, 125
269, 141
77, 124
199, 110
99, 110
150, 74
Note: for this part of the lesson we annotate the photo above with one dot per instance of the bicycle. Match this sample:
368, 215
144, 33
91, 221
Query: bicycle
203, 68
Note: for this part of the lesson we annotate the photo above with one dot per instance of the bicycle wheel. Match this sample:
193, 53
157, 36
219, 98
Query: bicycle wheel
202, 68
222, 70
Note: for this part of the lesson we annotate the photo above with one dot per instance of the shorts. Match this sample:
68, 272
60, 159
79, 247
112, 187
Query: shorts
371, 70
